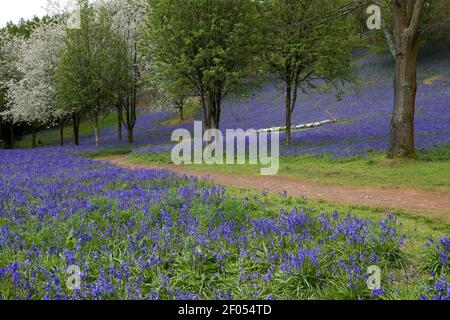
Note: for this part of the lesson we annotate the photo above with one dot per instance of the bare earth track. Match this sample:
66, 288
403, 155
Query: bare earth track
423, 202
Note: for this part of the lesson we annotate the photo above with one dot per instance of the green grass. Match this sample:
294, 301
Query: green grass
103, 153
430, 172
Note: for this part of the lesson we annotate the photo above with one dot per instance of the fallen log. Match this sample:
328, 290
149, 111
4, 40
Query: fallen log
301, 126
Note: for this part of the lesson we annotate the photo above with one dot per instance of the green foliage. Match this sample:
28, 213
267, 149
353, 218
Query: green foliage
24, 27
435, 23
435, 258
211, 44
306, 40
93, 65
176, 91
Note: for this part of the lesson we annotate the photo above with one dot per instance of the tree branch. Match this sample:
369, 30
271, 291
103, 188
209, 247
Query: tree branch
415, 18
388, 36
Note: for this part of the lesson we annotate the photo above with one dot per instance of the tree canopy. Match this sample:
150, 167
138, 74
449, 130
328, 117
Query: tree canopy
211, 43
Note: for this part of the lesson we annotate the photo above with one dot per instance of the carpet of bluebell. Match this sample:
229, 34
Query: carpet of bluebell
363, 110
149, 234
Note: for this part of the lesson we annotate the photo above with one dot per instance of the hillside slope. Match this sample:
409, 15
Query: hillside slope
363, 111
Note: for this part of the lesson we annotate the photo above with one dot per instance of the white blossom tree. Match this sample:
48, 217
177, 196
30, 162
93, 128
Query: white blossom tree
128, 19
32, 99
9, 48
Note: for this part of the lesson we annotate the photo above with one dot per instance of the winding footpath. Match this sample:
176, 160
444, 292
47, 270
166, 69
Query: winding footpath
426, 203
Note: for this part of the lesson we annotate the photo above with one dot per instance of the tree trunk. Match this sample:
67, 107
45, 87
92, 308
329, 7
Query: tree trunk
406, 17
12, 136
61, 133
288, 133
388, 36
181, 110
213, 112
205, 113
97, 135
33, 137
217, 112
76, 128
209, 108
119, 121
96, 129
204, 107
214, 122
130, 135
402, 122
130, 117
288, 120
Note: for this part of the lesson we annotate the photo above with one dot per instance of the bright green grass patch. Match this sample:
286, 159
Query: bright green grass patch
109, 152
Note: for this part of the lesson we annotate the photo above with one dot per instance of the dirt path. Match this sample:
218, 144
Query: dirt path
424, 202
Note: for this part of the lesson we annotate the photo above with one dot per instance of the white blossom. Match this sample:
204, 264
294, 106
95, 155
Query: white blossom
129, 17
9, 54
32, 99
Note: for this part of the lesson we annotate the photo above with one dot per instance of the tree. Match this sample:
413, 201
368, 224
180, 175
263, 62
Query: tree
401, 26
9, 46
17, 33
434, 21
176, 92
406, 16
86, 75
211, 43
128, 20
24, 28
306, 41
33, 97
